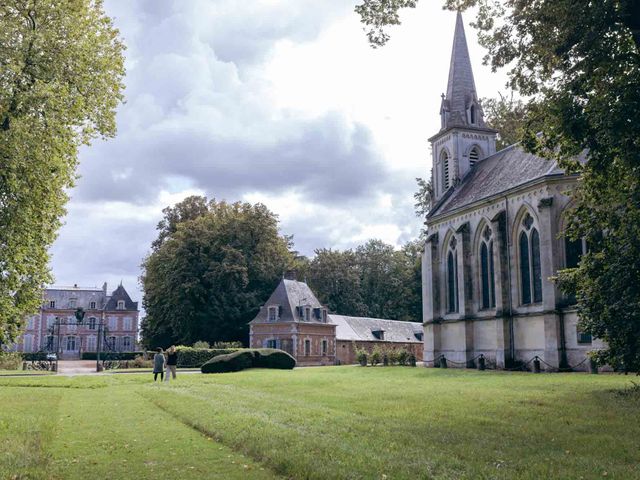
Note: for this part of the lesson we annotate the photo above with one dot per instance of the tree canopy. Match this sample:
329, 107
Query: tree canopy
579, 65
61, 71
211, 272
372, 280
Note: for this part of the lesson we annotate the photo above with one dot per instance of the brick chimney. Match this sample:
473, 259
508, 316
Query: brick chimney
290, 275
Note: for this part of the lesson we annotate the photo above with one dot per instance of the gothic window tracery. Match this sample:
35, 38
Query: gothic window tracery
452, 277
530, 268
487, 270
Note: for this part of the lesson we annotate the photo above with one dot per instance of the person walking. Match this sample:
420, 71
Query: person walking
158, 365
172, 362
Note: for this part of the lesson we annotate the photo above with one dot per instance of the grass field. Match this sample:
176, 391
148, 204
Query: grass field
322, 423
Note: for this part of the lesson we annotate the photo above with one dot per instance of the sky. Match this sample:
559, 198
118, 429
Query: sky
281, 102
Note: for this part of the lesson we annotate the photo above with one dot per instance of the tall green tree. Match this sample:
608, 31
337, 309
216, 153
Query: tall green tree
579, 63
374, 280
61, 71
207, 279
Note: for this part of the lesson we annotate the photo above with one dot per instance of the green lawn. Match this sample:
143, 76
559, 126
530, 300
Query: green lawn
322, 423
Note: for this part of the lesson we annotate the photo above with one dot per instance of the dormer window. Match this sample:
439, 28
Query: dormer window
418, 335
307, 314
120, 305
52, 304
273, 314
92, 305
378, 334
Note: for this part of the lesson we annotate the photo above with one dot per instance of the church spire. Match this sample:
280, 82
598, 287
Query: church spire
460, 107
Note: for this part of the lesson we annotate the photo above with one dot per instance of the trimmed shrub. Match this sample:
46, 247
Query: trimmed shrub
403, 356
362, 357
196, 357
235, 345
412, 360
249, 358
376, 356
34, 356
231, 362
201, 344
393, 357
273, 358
110, 355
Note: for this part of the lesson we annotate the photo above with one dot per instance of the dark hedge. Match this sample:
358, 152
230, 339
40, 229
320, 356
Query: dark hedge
249, 358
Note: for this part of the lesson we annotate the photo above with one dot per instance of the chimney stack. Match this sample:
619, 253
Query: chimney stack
290, 275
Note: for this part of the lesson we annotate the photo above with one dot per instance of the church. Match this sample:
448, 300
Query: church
494, 241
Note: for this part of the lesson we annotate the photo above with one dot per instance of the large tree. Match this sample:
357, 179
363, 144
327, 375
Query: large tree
208, 277
579, 63
374, 280
61, 70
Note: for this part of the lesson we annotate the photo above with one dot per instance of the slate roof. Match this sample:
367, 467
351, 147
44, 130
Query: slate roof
120, 294
289, 294
362, 328
502, 171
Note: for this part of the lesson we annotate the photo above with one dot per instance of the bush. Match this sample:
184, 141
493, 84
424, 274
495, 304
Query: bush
403, 356
273, 358
34, 356
376, 356
196, 357
362, 356
201, 344
10, 360
249, 358
110, 355
227, 345
231, 362
393, 357
412, 360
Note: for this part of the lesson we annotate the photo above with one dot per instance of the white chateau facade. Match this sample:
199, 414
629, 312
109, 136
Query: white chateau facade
494, 240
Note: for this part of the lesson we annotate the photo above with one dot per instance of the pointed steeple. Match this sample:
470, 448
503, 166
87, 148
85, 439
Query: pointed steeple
460, 107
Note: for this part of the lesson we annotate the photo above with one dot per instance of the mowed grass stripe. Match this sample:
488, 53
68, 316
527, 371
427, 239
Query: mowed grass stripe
27, 426
420, 423
117, 434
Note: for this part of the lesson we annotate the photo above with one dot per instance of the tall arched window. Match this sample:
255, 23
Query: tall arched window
452, 278
487, 271
530, 269
474, 156
472, 114
446, 170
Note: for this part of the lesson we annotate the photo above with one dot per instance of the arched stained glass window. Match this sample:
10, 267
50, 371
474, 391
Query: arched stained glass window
452, 278
530, 268
487, 274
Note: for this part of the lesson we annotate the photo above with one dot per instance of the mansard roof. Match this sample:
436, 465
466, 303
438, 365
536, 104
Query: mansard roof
289, 294
507, 169
362, 328
120, 294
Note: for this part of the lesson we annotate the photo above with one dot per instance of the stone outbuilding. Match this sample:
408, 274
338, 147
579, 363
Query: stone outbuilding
368, 333
295, 321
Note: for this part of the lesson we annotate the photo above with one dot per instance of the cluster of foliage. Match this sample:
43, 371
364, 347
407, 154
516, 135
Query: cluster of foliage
10, 360
196, 357
372, 280
61, 70
212, 266
217, 345
249, 358
386, 356
579, 65
110, 355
